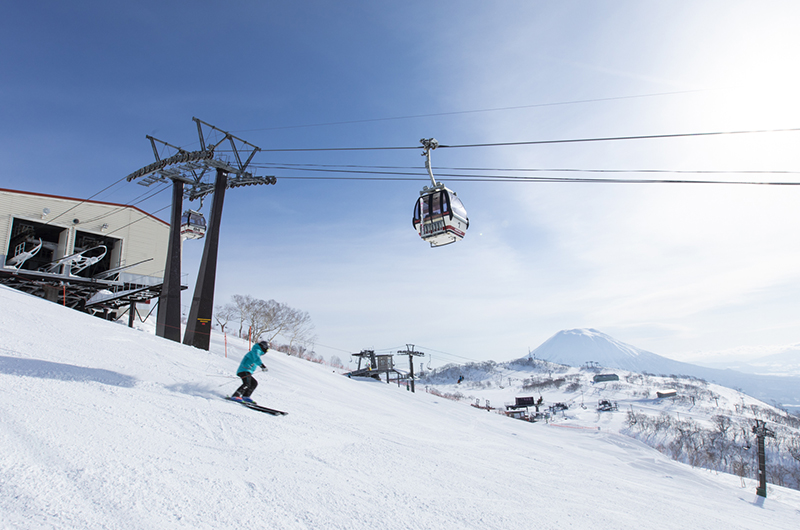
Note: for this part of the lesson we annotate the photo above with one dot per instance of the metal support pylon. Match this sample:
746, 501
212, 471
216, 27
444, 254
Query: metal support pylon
198, 326
761, 431
168, 321
189, 168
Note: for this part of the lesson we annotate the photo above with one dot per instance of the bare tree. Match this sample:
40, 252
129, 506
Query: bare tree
299, 328
224, 314
268, 319
793, 446
723, 423
336, 362
244, 306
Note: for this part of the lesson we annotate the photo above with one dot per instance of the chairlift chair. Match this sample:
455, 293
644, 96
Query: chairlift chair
23, 255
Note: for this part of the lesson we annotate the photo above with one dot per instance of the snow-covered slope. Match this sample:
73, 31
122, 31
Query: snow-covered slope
109, 427
577, 347
703, 424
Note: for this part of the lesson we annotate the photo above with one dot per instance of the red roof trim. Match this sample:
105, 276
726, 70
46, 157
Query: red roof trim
83, 200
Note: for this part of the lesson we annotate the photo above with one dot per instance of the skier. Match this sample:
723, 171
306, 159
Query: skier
246, 368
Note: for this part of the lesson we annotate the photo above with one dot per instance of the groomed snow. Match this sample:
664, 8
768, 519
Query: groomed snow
109, 427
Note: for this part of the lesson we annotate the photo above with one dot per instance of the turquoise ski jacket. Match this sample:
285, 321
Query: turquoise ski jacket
252, 360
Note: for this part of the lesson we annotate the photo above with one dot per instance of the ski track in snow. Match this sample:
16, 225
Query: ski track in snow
108, 427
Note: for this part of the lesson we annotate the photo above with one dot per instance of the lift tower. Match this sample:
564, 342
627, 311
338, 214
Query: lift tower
761, 431
192, 169
411, 354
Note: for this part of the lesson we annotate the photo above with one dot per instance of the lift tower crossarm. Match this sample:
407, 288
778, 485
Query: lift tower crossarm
155, 151
183, 157
201, 190
228, 136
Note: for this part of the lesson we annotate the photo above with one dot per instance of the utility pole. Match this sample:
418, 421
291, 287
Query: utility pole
411, 354
761, 431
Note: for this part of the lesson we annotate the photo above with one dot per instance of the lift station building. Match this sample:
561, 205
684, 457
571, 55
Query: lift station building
89, 255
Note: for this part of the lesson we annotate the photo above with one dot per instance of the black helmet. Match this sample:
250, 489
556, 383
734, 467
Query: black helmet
264, 345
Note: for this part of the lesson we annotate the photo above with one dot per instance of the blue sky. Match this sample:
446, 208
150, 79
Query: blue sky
675, 269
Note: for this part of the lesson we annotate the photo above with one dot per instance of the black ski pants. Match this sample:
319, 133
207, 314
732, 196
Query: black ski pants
249, 384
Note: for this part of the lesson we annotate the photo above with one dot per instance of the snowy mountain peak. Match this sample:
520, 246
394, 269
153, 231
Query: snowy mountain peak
576, 347
579, 347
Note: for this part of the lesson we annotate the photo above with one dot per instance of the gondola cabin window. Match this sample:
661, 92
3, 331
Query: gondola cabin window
436, 204
458, 207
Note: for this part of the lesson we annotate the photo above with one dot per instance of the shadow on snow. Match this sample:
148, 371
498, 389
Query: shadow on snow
62, 372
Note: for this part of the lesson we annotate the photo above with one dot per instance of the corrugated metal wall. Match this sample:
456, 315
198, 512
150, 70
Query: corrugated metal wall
142, 235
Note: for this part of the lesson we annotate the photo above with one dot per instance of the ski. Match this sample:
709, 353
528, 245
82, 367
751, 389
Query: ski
259, 408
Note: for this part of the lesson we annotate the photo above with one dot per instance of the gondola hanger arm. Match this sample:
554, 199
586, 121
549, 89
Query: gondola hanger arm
429, 144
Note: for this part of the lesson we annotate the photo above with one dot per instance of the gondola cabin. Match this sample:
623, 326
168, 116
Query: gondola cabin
193, 225
439, 216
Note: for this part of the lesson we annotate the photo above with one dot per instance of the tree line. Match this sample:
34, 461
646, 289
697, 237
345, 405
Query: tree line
267, 320
727, 446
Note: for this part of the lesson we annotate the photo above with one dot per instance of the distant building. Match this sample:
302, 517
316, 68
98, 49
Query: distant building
69, 250
600, 378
